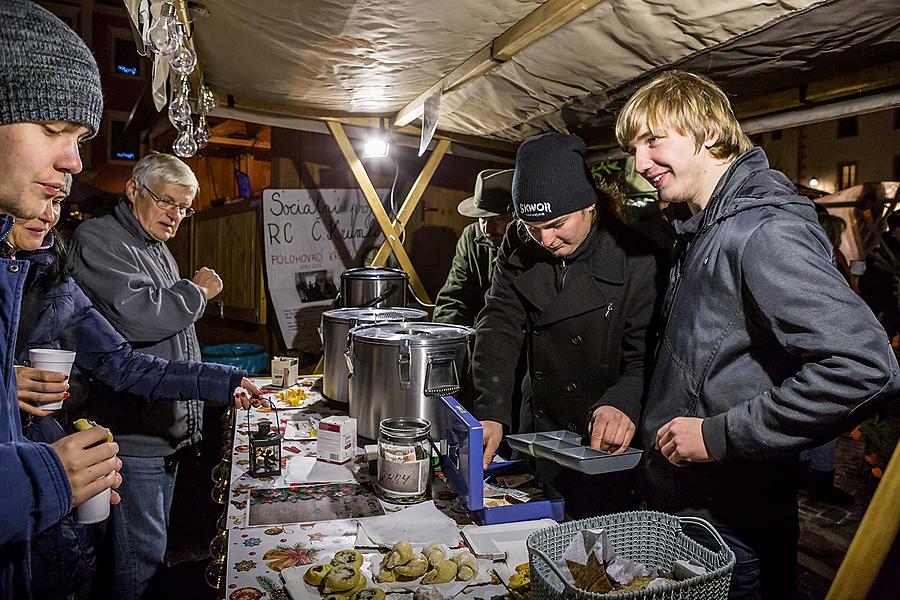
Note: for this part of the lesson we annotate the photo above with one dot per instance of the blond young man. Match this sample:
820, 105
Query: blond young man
765, 350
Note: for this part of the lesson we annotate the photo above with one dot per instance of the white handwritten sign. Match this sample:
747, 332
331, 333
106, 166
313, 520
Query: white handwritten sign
310, 238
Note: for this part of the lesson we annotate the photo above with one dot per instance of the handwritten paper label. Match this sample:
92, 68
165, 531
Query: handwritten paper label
403, 478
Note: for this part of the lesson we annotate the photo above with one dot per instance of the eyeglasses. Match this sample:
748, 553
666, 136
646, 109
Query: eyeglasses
168, 204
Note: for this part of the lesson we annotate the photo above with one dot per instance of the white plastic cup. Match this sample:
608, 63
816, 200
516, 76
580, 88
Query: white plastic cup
94, 510
50, 359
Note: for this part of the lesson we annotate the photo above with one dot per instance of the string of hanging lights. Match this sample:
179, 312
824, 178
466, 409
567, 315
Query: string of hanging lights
168, 39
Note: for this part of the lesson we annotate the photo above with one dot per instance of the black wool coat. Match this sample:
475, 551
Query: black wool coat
588, 345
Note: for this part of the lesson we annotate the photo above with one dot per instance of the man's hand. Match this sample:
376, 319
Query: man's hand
208, 281
493, 434
90, 462
611, 430
244, 401
36, 387
681, 441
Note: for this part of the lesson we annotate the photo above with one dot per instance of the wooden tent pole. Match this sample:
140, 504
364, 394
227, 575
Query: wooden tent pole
873, 540
368, 190
412, 198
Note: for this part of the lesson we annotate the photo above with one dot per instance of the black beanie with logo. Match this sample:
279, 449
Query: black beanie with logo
551, 178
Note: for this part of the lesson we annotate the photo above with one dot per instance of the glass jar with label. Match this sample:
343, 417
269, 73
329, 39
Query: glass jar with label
404, 460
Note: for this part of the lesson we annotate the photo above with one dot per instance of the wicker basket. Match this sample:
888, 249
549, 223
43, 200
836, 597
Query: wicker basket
653, 538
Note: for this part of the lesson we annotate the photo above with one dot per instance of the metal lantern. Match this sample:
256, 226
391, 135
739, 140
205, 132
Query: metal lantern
265, 450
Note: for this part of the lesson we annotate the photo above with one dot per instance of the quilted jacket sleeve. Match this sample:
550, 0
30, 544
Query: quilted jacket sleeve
37, 492
102, 352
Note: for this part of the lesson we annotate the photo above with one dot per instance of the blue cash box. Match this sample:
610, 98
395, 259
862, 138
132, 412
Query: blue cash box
463, 466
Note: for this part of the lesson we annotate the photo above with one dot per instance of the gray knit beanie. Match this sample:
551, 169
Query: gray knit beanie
47, 72
551, 178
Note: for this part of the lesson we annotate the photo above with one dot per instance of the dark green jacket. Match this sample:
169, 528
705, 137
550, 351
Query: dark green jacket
462, 297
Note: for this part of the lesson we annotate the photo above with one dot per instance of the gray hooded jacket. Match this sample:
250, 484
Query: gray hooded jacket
133, 281
764, 340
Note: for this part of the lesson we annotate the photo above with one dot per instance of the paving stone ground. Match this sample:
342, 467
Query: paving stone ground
826, 530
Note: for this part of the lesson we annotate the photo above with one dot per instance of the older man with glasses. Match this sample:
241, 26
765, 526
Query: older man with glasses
122, 263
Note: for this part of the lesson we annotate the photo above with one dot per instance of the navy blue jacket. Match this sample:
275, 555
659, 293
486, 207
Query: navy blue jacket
765, 341
36, 489
70, 321
63, 317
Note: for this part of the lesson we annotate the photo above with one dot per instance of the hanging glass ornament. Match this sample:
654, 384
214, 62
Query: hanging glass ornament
206, 100
179, 108
201, 135
185, 58
185, 145
163, 31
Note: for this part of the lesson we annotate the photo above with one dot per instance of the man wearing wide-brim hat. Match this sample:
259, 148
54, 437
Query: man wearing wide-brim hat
462, 296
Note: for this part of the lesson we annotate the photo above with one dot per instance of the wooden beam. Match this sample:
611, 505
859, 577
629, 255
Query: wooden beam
368, 190
228, 141
357, 120
873, 539
854, 82
476, 65
545, 19
412, 198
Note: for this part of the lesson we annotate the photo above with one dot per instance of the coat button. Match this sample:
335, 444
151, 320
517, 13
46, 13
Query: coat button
539, 414
571, 387
576, 340
538, 375
538, 331
571, 427
14, 268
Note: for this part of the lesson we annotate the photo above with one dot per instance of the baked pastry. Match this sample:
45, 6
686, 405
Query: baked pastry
400, 554
443, 572
434, 553
341, 579
386, 576
467, 565
347, 558
316, 574
414, 568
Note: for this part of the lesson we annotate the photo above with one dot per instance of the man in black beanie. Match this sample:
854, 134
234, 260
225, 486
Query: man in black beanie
579, 291
50, 100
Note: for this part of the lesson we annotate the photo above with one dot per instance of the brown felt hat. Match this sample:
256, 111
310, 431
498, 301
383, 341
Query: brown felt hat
493, 195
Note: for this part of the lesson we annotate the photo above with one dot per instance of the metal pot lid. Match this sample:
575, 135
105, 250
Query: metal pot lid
378, 273
373, 315
417, 334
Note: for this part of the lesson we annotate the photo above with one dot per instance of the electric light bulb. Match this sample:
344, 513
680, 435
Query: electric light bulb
179, 109
163, 31
185, 58
201, 136
206, 100
185, 145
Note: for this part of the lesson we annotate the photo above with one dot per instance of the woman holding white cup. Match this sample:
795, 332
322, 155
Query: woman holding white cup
59, 327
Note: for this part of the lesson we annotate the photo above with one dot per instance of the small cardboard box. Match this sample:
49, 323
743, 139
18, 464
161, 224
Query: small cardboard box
336, 440
284, 371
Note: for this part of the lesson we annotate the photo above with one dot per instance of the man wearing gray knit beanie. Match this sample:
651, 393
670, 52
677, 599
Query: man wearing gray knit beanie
577, 291
50, 100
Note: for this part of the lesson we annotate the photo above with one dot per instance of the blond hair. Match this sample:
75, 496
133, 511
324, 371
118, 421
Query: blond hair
690, 104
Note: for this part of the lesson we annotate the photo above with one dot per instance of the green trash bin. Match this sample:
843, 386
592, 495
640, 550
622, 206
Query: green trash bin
249, 357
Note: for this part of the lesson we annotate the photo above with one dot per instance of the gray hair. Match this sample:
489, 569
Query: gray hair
157, 167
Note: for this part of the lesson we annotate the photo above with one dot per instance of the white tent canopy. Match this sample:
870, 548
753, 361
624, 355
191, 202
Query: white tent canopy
510, 69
